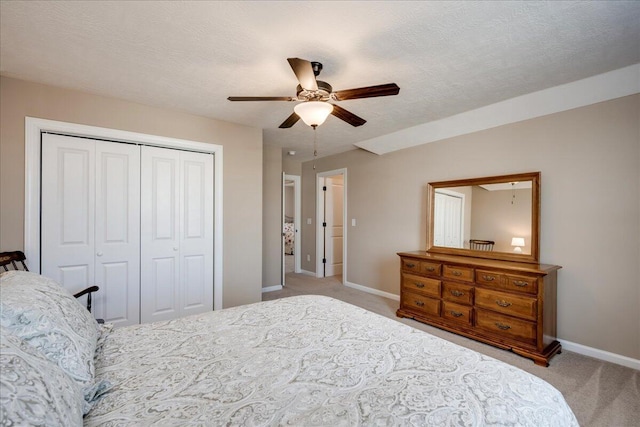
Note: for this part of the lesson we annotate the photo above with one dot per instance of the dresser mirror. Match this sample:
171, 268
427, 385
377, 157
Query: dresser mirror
495, 217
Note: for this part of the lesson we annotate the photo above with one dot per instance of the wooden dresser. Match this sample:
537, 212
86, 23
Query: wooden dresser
511, 305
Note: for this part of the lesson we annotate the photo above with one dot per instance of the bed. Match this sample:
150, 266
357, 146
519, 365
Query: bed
289, 236
302, 361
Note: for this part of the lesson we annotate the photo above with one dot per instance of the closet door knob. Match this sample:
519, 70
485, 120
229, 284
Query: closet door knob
99, 254
175, 249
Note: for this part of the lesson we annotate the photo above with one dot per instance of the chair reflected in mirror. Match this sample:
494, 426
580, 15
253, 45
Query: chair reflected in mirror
481, 245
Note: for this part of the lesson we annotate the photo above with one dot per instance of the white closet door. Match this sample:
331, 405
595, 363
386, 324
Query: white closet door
117, 233
176, 234
447, 228
68, 210
90, 222
159, 239
196, 232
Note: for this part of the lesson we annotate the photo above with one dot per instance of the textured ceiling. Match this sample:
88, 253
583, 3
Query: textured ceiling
447, 57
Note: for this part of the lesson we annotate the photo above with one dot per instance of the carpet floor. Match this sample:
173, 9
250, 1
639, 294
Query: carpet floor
601, 394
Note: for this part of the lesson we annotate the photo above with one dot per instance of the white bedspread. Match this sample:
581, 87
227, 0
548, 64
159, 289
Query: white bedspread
306, 361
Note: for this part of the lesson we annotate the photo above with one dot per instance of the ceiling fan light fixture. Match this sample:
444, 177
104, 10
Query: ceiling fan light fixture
313, 113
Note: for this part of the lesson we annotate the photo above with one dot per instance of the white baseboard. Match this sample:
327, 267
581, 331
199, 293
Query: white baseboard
272, 288
601, 354
372, 291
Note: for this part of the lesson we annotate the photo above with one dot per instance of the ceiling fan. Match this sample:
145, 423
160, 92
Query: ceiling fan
315, 95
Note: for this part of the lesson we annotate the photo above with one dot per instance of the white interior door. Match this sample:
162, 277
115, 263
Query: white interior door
176, 233
68, 211
196, 232
159, 234
335, 226
90, 221
447, 229
117, 233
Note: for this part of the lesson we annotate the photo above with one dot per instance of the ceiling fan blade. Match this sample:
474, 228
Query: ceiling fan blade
291, 120
347, 116
261, 98
304, 72
367, 92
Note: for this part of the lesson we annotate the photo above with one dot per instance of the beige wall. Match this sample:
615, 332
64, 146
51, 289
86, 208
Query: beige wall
272, 217
496, 218
242, 187
289, 201
590, 215
290, 165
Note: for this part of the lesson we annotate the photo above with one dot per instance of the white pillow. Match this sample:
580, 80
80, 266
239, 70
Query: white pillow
34, 390
49, 318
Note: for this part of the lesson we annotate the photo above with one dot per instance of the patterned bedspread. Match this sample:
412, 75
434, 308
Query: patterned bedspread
310, 361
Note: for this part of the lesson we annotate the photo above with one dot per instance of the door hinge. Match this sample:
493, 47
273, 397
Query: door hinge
324, 260
324, 188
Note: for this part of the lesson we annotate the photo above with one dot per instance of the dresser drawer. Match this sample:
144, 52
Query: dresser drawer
514, 305
459, 273
491, 278
457, 292
422, 285
521, 283
506, 326
457, 312
409, 264
417, 302
431, 268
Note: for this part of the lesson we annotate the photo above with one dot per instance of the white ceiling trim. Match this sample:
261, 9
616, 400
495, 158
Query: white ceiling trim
603, 87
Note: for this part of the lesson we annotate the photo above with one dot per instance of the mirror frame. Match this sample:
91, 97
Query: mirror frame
533, 257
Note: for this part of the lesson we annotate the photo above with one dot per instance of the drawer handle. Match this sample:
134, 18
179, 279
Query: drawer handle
520, 283
455, 313
410, 265
419, 303
488, 278
418, 284
456, 293
431, 269
456, 273
502, 326
503, 303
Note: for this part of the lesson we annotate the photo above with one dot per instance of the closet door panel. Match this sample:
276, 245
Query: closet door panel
117, 232
195, 284
112, 303
163, 294
68, 200
160, 228
196, 232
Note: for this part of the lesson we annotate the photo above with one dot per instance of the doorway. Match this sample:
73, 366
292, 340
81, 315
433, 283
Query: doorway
331, 219
135, 219
35, 128
290, 225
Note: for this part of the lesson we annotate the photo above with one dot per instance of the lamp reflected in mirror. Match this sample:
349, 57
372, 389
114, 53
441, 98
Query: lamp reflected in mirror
517, 243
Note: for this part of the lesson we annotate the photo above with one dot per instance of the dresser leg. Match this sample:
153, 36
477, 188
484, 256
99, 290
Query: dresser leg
541, 359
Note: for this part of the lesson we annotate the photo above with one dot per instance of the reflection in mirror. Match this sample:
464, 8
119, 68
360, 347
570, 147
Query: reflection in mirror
489, 217
495, 217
